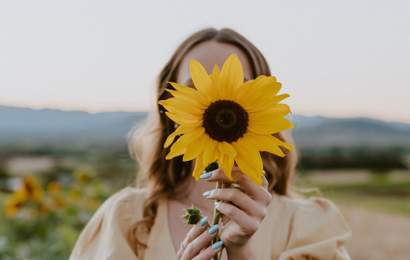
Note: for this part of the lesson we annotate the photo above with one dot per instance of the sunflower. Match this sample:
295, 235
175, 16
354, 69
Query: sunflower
31, 189
225, 119
14, 204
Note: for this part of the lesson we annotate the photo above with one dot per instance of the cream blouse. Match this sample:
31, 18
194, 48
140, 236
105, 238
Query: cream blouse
294, 229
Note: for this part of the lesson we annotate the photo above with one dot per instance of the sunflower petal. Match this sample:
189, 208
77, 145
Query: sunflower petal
195, 148
182, 97
215, 73
210, 151
198, 168
176, 106
180, 130
248, 159
190, 92
231, 76
269, 143
267, 103
199, 76
213, 91
227, 154
265, 123
259, 90
184, 120
179, 147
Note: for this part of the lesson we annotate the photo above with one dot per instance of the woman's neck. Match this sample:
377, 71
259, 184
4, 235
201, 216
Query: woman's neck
193, 195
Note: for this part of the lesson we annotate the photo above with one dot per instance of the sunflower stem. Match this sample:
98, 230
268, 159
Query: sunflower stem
215, 220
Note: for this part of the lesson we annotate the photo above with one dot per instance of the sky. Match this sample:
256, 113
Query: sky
335, 58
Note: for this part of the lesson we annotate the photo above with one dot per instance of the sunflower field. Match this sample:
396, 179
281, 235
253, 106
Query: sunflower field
41, 219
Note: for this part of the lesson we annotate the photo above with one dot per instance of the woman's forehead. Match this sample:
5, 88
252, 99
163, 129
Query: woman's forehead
210, 53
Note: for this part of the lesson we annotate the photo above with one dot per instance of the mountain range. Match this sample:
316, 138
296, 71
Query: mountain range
78, 129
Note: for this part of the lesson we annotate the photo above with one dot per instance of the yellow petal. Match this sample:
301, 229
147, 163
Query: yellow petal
191, 101
213, 91
212, 156
267, 103
231, 76
215, 73
180, 130
275, 111
199, 76
196, 148
269, 143
267, 124
176, 106
198, 168
257, 91
190, 92
227, 154
248, 159
210, 150
186, 120
179, 147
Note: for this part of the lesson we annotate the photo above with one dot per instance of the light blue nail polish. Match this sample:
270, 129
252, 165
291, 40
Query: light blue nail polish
217, 245
205, 175
206, 194
212, 230
203, 221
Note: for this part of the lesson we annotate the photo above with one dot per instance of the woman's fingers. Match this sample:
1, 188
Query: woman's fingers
210, 251
193, 233
200, 242
257, 192
216, 175
248, 224
239, 198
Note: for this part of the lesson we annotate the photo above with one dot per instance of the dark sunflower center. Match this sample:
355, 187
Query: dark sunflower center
225, 120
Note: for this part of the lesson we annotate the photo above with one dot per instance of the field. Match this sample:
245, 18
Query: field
376, 205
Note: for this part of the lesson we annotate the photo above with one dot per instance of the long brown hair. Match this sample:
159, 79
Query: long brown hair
163, 178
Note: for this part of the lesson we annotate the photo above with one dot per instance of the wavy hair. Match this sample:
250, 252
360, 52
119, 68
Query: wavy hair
163, 178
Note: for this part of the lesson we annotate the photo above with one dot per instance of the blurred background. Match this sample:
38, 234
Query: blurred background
76, 76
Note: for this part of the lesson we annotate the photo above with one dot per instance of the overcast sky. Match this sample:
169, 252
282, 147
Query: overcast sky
335, 58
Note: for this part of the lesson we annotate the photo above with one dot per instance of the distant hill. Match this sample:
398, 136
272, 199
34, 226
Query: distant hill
311, 132
49, 127
57, 128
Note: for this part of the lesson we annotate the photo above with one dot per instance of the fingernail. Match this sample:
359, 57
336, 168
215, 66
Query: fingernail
212, 230
205, 175
217, 245
203, 221
208, 193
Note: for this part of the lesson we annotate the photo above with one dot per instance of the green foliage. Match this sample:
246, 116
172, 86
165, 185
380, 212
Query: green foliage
378, 192
192, 215
377, 160
51, 233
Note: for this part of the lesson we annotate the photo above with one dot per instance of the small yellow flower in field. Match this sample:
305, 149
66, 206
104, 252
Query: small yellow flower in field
227, 120
74, 195
14, 203
82, 176
54, 187
43, 208
92, 203
58, 201
31, 189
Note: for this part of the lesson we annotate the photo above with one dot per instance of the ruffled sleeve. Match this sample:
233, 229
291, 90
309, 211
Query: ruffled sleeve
105, 235
317, 231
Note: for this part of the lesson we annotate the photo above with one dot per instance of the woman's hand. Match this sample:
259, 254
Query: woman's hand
243, 208
197, 241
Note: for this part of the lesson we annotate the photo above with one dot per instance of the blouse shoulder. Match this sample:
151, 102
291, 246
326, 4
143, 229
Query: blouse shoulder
317, 229
105, 235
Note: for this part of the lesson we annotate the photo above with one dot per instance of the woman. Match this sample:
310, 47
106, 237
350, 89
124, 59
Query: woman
260, 222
